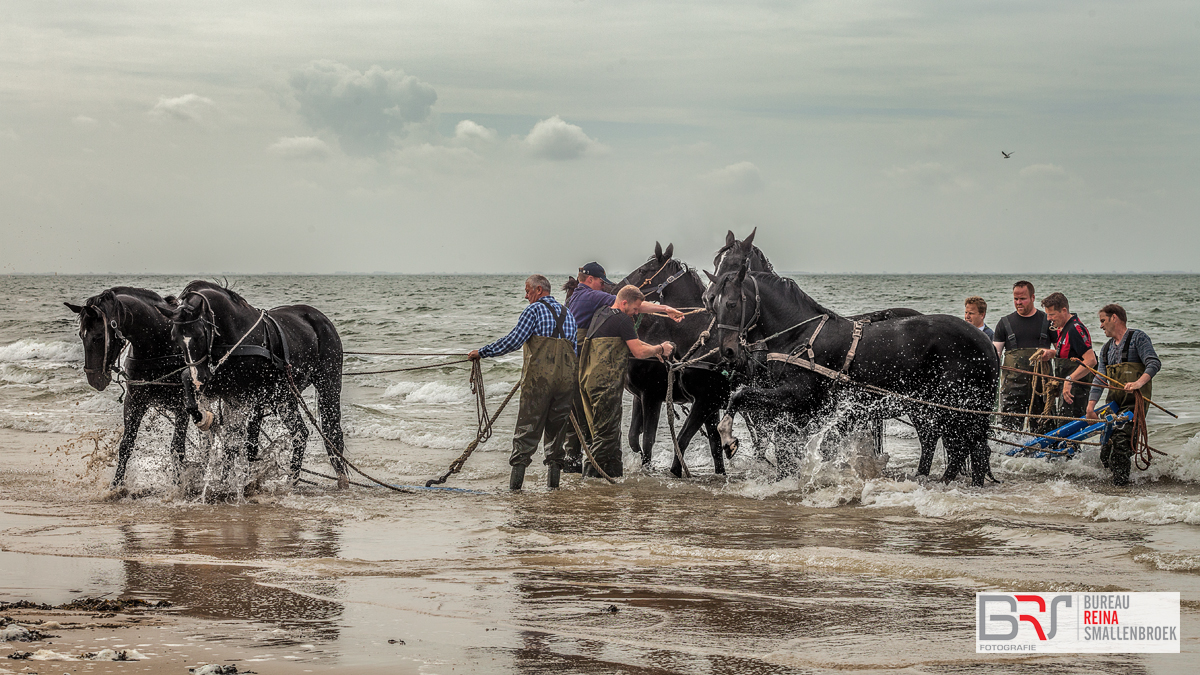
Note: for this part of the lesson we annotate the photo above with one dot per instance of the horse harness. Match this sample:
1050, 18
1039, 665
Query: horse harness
118, 337
808, 361
683, 269
238, 349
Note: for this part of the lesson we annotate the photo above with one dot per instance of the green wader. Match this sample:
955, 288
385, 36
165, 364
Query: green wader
1016, 391
574, 455
602, 366
1117, 453
1079, 390
547, 383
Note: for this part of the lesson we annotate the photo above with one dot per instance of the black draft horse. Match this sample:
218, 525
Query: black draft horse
236, 352
668, 281
122, 316
937, 358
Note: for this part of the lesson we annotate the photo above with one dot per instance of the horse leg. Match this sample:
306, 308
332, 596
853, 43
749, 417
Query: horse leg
299, 431
927, 436
651, 411
179, 438
253, 431
636, 422
134, 410
329, 405
714, 444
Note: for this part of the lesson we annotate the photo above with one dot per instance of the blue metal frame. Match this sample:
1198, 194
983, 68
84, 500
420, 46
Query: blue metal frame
1073, 431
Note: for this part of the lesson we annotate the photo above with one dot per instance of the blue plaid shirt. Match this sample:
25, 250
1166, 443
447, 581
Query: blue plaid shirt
536, 319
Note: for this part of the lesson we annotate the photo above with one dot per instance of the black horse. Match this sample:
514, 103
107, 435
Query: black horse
255, 357
665, 280
123, 316
935, 358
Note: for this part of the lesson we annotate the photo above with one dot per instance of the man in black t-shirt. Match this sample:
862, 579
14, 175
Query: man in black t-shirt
603, 360
1074, 342
1018, 336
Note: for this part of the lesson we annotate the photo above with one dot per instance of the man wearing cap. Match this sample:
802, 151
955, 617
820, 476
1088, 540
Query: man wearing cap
546, 332
588, 297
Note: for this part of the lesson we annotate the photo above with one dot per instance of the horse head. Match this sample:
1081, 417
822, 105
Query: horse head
656, 273
735, 307
731, 256
102, 340
193, 330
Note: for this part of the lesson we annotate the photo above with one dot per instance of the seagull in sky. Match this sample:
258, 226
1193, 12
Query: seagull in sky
1006, 154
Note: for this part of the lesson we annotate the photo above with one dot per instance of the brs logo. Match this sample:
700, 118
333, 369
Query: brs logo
1013, 617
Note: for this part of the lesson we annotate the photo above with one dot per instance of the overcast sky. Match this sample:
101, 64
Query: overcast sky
243, 137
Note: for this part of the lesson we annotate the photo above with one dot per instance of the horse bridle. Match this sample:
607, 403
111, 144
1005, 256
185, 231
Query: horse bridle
683, 269
117, 337
743, 327
211, 320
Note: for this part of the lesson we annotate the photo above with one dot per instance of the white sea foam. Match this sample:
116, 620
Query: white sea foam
430, 393
13, 374
410, 433
29, 350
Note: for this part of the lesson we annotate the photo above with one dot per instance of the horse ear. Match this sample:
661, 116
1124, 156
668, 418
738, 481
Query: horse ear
74, 308
658, 252
171, 300
712, 278
750, 239
168, 313
729, 238
669, 252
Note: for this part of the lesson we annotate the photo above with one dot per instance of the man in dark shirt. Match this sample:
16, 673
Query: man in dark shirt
603, 360
1018, 336
588, 297
1128, 359
1074, 342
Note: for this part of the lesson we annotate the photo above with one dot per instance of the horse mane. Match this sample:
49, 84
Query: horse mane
796, 295
202, 285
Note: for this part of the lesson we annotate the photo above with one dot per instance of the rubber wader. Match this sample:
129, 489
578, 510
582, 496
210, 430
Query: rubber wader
602, 365
1079, 389
1016, 389
573, 463
1118, 452
547, 383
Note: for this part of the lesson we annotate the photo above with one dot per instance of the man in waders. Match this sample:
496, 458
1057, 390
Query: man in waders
1074, 342
546, 330
1017, 337
603, 359
588, 297
1128, 358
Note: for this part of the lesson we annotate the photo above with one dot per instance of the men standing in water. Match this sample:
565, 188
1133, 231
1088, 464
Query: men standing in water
603, 359
1017, 337
975, 312
1129, 359
588, 297
546, 330
1074, 342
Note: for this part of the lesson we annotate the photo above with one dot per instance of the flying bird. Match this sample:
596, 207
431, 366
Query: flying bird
1006, 154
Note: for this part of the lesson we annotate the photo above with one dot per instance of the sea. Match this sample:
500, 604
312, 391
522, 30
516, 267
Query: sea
844, 567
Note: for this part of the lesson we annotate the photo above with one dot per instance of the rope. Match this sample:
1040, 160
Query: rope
588, 451
671, 420
457, 464
1030, 433
329, 444
404, 353
401, 370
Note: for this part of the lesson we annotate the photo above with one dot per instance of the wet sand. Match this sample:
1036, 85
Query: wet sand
651, 576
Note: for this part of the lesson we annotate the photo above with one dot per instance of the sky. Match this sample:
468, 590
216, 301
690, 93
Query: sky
480, 137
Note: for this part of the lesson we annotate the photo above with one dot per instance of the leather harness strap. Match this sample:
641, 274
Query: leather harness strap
807, 360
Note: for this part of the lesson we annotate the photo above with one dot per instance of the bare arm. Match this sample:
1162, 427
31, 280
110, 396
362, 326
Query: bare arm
655, 308
642, 350
999, 347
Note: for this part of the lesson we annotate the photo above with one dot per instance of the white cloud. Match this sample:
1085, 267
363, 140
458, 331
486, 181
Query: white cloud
186, 108
364, 109
467, 130
300, 147
742, 177
558, 140
929, 174
85, 122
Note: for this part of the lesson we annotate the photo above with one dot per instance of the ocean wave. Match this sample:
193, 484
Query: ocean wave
29, 350
13, 374
429, 392
417, 435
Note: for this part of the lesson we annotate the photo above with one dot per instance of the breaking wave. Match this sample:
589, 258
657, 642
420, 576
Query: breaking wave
31, 350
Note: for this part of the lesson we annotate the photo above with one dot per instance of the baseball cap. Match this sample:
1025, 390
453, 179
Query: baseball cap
594, 269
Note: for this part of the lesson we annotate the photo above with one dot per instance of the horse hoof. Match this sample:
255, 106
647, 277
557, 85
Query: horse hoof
206, 420
730, 449
343, 482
